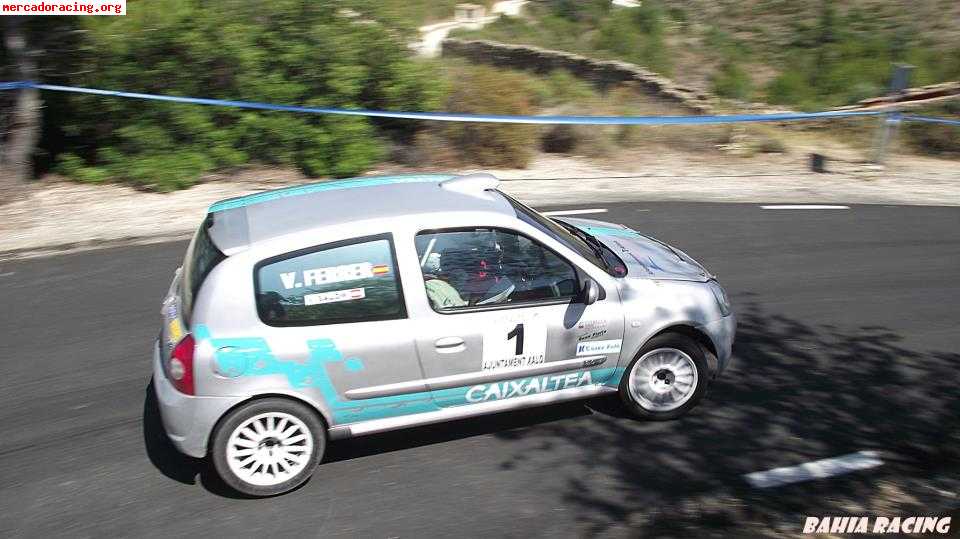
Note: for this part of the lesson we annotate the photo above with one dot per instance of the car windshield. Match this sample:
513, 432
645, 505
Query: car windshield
581, 242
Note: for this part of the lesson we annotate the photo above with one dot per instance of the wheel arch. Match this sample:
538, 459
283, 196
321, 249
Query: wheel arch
689, 330
324, 420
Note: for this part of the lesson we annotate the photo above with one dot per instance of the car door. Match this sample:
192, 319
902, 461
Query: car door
339, 329
506, 318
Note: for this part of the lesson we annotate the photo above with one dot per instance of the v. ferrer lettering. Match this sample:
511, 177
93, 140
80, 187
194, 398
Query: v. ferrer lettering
333, 274
528, 386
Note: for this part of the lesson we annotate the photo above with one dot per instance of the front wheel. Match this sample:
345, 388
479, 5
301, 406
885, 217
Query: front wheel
268, 447
666, 379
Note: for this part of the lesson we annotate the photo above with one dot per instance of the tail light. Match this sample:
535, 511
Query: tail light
180, 365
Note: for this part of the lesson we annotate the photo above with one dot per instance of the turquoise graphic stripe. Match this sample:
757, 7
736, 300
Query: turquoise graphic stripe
298, 190
252, 356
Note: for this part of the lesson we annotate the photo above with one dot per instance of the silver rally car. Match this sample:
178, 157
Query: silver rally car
353, 307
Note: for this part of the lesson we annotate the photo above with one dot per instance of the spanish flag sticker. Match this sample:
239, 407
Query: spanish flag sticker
380, 269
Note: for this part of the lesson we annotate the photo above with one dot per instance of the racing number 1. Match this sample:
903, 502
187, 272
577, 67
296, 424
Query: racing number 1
514, 341
518, 333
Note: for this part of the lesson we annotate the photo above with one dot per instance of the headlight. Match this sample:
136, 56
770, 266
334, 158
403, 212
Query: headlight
721, 297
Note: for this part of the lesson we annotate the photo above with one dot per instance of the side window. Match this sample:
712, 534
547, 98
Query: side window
353, 281
486, 266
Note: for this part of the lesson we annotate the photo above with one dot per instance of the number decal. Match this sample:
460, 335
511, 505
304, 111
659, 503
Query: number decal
518, 333
514, 341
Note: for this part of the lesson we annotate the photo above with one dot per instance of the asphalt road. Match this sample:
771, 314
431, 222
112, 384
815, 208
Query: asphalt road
849, 340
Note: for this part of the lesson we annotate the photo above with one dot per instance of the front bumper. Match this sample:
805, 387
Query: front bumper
188, 420
722, 332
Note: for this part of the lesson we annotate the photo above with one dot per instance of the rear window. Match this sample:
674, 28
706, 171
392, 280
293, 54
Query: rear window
202, 256
350, 281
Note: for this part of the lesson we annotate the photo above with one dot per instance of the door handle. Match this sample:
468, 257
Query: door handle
450, 345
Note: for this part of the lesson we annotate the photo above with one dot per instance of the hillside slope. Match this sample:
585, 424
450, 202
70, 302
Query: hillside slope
803, 53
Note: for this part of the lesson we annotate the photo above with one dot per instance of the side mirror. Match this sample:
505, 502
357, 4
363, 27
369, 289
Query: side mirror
591, 292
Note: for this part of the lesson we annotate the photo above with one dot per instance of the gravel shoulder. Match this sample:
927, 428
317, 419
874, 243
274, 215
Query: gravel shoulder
59, 216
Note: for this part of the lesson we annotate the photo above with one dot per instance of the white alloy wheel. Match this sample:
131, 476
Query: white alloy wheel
269, 449
663, 379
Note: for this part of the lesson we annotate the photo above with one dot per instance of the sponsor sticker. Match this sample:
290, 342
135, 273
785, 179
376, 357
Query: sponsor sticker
174, 331
591, 329
333, 275
590, 348
530, 386
334, 296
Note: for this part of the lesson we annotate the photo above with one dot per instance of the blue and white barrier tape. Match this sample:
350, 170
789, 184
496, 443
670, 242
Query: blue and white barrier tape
931, 120
461, 117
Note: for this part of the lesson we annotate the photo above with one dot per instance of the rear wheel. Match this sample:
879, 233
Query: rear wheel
666, 379
268, 447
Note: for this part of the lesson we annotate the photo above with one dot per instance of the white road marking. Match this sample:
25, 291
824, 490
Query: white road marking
804, 207
818, 469
575, 212
7, 274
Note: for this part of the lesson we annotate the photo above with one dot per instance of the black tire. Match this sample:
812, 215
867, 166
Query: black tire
679, 342
230, 422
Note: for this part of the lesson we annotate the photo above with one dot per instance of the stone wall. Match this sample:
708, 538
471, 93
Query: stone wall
603, 73
911, 97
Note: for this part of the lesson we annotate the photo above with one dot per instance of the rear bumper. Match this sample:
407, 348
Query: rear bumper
188, 420
722, 332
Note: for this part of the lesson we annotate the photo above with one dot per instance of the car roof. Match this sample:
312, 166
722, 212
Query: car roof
244, 221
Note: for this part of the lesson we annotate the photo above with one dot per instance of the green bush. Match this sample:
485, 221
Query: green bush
589, 27
581, 10
790, 87
75, 167
636, 35
733, 82
726, 46
560, 87
286, 51
839, 59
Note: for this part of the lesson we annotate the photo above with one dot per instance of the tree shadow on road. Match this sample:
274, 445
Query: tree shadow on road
452, 430
796, 392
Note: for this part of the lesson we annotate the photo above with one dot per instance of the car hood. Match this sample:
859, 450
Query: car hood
645, 257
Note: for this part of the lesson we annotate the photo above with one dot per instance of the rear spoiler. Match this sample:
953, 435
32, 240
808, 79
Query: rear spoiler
229, 230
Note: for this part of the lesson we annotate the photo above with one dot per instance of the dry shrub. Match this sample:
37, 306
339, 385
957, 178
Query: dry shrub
627, 100
769, 144
428, 149
486, 90
586, 140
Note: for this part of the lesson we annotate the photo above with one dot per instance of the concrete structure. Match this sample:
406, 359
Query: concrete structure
469, 12
469, 16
